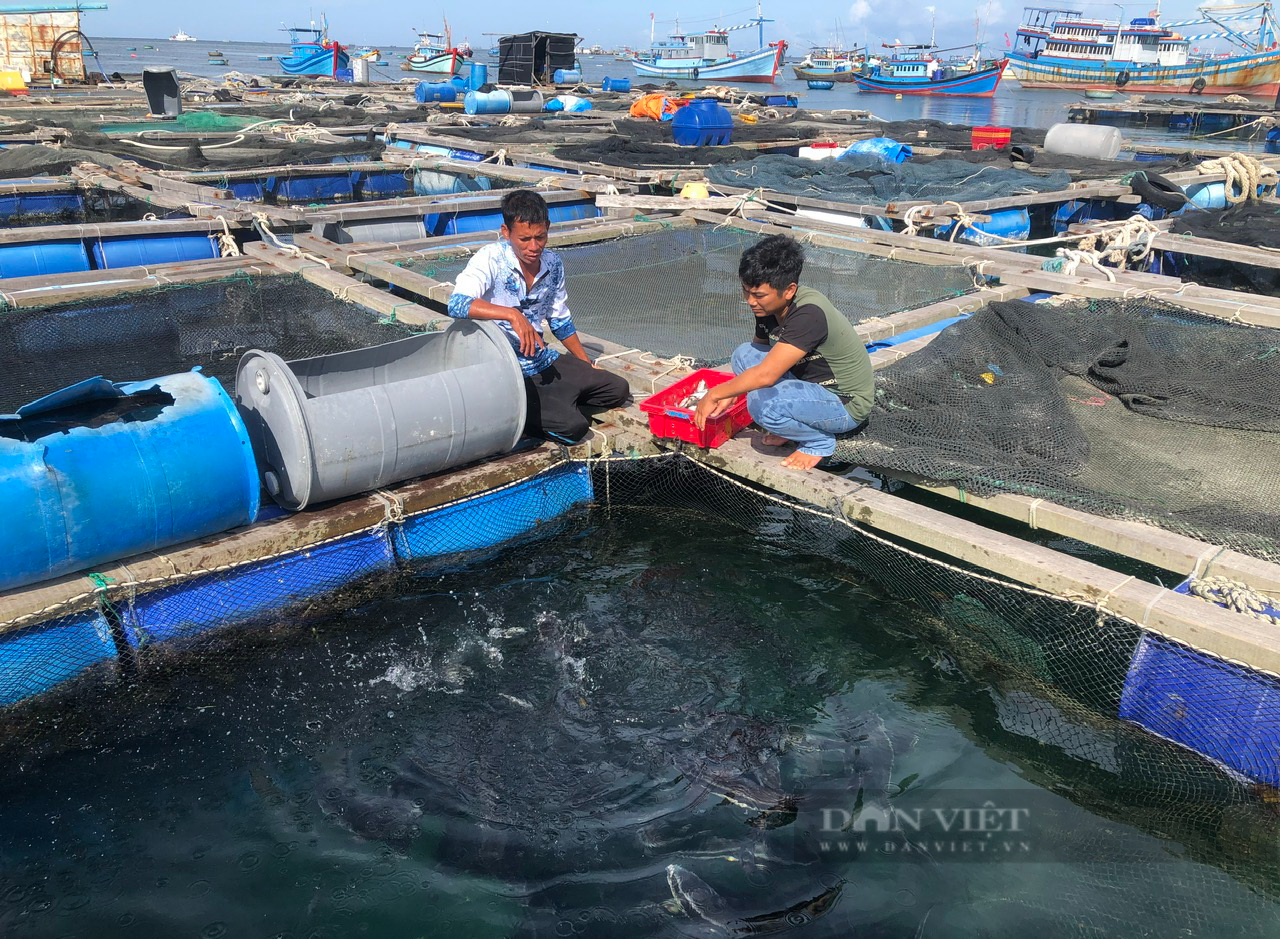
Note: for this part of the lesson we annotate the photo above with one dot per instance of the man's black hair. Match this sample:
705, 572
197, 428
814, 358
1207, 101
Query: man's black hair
524, 205
776, 261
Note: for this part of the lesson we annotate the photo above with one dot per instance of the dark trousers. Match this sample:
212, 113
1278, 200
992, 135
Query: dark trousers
560, 395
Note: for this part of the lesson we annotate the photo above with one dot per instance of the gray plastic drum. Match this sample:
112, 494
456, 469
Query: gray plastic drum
160, 83
334, 425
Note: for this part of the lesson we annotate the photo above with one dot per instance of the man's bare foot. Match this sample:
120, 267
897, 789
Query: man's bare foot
801, 461
773, 440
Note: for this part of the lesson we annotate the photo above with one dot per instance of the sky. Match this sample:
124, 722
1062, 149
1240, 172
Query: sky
392, 22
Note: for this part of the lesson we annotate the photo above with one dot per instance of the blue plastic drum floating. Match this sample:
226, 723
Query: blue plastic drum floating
99, 471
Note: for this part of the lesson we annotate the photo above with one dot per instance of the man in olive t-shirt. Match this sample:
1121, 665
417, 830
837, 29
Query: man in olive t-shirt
807, 376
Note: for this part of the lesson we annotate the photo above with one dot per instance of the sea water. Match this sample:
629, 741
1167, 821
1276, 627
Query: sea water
637, 723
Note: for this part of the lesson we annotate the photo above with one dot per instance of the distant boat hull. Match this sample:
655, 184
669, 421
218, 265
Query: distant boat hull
979, 84
442, 63
316, 61
1256, 74
823, 74
759, 66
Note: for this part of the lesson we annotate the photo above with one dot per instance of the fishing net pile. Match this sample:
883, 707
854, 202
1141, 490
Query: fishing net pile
1250, 224
939, 134
865, 178
677, 292
1123, 408
174, 329
38, 160
236, 151
624, 151
1027, 157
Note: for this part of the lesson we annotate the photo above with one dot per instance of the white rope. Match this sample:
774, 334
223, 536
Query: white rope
1245, 175
1235, 596
227, 246
263, 224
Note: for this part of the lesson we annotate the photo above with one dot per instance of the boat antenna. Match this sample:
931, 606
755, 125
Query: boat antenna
650, 29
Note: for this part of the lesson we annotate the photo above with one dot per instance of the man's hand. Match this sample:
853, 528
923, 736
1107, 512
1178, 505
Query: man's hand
530, 341
709, 408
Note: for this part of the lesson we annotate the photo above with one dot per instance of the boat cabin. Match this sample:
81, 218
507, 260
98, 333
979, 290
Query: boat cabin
1068, 34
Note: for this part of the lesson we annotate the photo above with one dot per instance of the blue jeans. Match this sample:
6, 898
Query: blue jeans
798, 410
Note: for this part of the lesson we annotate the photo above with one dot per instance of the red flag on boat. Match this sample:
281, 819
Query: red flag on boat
1006, 41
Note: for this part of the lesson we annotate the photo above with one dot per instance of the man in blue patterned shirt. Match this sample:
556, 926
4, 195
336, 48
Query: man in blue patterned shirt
519, 284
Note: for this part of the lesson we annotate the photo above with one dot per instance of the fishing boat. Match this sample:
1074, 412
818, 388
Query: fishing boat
706, 56
180, 36
312, 52
434, 54
828, 65
1062, 49
920, 70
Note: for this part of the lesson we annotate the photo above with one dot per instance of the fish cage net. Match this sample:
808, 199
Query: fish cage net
1126, 408
677, 292
164, 330
1053, 674
866, 179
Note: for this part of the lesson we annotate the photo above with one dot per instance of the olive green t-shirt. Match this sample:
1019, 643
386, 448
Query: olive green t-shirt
835, 355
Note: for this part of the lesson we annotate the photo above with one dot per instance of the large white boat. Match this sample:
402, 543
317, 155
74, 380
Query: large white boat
1063, 49
180, 36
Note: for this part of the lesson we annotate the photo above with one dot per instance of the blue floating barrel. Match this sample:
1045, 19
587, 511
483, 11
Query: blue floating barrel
820, 85
566, 76
432, 183
1207, 195
1003, 225
46, 257
99, 471
435, 91
331, 187
139, 251
502, 101
704, 122
39, 204
382, 185
622, 85
1272, 144
478, 76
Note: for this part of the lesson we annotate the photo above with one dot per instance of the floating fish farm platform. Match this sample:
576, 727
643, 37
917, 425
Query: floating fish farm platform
1069, 469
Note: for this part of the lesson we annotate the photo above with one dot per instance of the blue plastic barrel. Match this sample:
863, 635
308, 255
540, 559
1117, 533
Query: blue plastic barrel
336, 187
886, 148
39, 204
46, 257
566, 76
704, 122
497, 101
135, 251
478, 76
616, 84
1272, 144
174, 464
1003, 225
435, 91
1207, 195
381, 185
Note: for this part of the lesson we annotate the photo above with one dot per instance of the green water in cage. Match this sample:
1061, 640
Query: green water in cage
642, 724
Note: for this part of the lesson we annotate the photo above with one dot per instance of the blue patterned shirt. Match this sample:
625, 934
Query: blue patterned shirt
493, 274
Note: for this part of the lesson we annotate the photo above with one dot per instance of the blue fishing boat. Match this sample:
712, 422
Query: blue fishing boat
918, 70
706, 57
312, 52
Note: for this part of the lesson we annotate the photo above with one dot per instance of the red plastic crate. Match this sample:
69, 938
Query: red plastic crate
990, 138
668, 419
